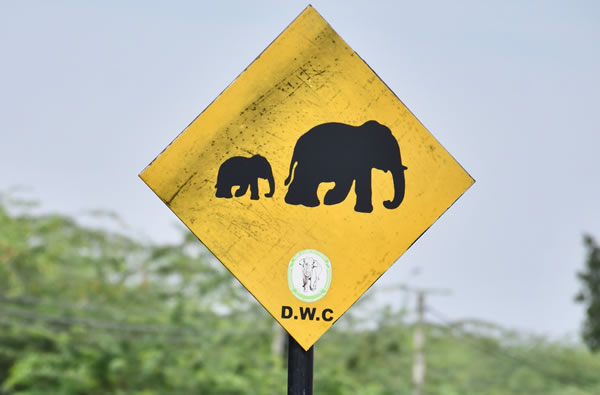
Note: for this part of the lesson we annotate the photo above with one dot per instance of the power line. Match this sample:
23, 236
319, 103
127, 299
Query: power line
135, 329
447, 325
106, 325
171, 340
486, 383
31, 300
37, 301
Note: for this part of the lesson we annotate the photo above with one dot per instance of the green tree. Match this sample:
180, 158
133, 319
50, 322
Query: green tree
91, 311
589, 295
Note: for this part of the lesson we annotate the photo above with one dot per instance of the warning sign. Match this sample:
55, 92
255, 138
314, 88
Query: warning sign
307, 177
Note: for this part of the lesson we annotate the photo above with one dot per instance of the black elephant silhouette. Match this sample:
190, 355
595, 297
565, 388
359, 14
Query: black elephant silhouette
244, 172
341, 153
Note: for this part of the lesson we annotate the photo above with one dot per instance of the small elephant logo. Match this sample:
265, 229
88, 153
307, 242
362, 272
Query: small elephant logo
244, 172
344, 154
309, 275
311, 269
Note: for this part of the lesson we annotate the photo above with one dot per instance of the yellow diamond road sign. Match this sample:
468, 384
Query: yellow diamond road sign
307, 177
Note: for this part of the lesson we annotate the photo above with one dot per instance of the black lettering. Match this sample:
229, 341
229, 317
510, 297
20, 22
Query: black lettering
286, 312
307, 312
324, 315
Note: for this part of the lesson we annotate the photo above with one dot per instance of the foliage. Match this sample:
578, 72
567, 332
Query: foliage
590, 294
89, 311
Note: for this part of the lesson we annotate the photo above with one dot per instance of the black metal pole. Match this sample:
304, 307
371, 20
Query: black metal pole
300, 369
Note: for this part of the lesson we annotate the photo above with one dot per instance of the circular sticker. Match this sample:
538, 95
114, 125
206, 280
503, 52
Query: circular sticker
309, 275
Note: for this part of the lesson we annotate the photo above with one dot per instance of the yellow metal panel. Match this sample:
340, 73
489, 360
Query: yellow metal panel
307, 77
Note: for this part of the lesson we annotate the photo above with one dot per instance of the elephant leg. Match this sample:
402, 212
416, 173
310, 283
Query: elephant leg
363, 192
254, 189
242, 190
224, 192
307, 196
303, 189
339, 192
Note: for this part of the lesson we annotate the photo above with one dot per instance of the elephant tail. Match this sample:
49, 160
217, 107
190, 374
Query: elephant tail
289, 177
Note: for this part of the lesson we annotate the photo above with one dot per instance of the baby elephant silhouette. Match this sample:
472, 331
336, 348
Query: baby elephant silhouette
244, 172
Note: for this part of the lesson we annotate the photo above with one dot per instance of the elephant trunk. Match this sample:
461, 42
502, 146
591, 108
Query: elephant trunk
271, 185
399, 187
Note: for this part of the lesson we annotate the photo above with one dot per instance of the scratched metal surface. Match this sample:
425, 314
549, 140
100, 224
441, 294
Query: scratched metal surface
307, 76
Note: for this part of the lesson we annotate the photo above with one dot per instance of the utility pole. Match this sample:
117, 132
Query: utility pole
278, 344
418, 369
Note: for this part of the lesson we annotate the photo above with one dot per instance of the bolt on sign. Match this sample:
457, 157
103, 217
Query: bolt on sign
307, 177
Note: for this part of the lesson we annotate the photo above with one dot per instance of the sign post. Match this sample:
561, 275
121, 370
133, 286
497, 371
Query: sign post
307, 178
300, 369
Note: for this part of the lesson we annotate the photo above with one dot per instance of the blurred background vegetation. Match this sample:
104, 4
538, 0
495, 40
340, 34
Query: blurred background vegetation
86, 310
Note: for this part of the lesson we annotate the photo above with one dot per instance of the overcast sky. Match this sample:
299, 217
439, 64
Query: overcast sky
91, 92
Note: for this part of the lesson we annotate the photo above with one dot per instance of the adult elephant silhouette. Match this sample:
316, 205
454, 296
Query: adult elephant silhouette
341, 153
244, 172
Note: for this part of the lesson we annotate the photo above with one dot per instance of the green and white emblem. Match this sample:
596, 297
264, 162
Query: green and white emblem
309, 275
